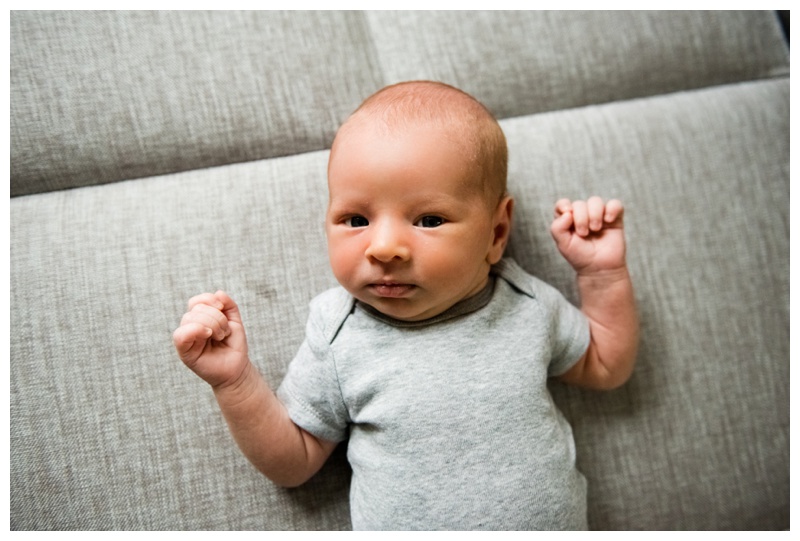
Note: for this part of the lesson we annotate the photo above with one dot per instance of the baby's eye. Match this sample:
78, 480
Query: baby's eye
357, 221
430, 221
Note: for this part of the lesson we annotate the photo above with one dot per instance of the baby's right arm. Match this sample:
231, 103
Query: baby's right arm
211, 341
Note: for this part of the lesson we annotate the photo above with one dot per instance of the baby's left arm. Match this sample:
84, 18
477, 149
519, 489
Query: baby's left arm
590, 236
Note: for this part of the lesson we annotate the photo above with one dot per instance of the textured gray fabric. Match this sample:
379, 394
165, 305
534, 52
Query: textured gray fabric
104, 96
527, 62
98, 97
451, 425
109, 429
699, 438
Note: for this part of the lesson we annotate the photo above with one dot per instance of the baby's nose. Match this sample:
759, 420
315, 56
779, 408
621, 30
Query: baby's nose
388, 244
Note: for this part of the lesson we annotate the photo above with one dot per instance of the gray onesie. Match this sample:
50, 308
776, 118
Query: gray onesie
450, 422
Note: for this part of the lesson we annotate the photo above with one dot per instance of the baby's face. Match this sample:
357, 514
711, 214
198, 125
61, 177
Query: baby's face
408, 231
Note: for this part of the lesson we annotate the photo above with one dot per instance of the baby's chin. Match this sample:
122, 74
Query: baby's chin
405, 309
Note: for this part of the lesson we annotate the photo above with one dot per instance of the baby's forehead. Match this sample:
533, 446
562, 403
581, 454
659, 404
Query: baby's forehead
461, 134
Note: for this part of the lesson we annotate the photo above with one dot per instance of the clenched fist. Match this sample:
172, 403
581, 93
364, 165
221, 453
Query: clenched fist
211, 339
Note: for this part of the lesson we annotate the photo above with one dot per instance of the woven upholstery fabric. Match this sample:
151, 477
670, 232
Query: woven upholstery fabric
98, 97
528, 62
106, 96
699, 438
110, 431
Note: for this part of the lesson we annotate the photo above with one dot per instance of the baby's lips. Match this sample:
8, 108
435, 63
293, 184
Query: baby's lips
392, 290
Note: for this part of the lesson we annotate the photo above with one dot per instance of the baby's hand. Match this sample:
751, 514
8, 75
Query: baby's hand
589, 234
211, 339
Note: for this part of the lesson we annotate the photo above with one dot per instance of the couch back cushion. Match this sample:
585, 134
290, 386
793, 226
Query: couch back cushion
103, 96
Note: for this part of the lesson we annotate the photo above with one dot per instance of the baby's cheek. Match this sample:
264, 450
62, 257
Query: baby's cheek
448, 264
343, 257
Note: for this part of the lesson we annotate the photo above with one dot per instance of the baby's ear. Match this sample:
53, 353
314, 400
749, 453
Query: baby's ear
501, 229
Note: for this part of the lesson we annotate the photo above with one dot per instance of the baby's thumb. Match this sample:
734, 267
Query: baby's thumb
189, 340
237, 339
560, 229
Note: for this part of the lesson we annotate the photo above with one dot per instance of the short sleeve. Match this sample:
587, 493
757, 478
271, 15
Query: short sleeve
310, 391
568, 327
569, 333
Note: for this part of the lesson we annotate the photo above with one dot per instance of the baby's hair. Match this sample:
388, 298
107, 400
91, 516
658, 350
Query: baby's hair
463, 118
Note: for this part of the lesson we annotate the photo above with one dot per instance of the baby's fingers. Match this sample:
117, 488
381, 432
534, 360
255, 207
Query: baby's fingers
580, 217
190, 338
614, 211
595, 210
563, 206
220, 301
561, 228
210, 318
210, 299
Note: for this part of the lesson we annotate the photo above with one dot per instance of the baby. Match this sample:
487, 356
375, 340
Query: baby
433, 356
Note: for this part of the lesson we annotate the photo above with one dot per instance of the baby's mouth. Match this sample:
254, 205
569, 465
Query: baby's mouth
391, 290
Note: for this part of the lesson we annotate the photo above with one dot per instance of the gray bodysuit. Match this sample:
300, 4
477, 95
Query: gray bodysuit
450, 422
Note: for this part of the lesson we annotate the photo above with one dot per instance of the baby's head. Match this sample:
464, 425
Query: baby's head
457, 115
418, 210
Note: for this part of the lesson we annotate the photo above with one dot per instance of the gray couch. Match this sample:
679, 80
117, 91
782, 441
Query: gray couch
156, 155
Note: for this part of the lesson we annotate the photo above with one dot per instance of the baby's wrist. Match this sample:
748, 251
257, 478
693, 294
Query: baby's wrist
603, 277
241, 384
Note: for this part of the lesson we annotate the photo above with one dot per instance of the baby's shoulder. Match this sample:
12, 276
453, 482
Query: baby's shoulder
328, 311
525, 283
